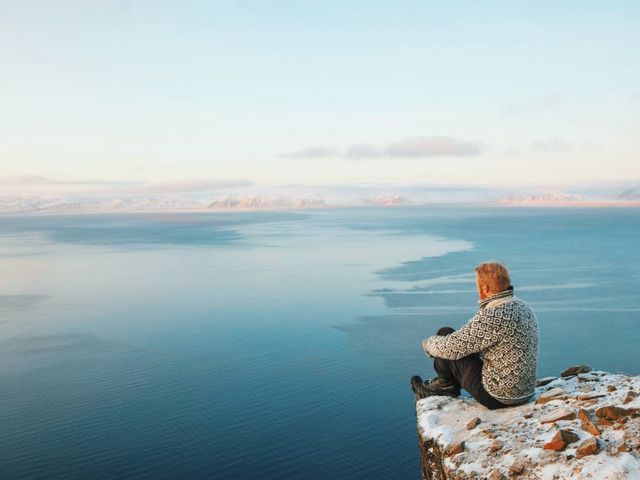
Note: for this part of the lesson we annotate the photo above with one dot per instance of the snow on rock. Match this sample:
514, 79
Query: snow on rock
248, 202
597, 413
387, 200
542, 198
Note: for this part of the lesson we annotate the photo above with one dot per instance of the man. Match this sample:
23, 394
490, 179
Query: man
494, 356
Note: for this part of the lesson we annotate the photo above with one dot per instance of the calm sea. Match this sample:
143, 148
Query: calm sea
275, 345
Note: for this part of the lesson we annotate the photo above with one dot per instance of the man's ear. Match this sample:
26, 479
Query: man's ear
485, 289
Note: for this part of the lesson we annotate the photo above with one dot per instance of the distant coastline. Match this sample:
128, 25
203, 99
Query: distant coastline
78, 208
250, 198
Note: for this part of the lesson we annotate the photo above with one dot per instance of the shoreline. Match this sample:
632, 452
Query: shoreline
461, 205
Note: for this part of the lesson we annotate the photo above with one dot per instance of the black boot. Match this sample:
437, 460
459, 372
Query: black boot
417, 385
437, 386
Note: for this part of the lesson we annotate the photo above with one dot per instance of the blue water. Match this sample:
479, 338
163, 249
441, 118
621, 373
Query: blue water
275, 345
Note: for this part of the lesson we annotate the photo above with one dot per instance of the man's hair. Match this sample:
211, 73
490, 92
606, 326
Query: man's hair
495, 275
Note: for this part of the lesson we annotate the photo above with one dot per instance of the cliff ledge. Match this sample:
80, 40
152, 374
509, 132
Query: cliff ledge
583, 424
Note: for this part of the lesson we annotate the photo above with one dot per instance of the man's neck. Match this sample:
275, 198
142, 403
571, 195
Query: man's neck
501, 296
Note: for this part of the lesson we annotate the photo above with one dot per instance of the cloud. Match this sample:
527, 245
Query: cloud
417, 147
356, 152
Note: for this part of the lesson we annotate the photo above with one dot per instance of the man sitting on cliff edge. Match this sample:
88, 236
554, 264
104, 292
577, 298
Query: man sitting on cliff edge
494, 356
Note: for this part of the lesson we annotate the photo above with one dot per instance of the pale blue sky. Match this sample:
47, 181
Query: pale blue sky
279, 92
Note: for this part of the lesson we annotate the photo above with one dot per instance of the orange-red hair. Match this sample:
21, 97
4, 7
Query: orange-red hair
495, 275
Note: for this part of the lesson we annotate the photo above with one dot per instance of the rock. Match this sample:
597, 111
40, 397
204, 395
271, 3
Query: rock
624, 448
611, 412
495, 445
588, 447
544, 381
543, 400
561, 439
587, 424
496, 474
553, 392
604, 422
571, 371
590, 396
631, 396
563, 413
556, 393
488, 433
611, 388
454, 449
517, 468
473, 423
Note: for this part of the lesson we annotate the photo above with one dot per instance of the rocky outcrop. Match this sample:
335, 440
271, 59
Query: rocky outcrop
582, 424
249, 202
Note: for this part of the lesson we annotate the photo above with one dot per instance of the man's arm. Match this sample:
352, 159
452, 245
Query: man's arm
477, 335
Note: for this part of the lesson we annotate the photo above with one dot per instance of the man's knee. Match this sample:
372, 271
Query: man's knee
445, 331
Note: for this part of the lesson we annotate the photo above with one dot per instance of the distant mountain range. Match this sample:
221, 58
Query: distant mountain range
296, 199
62, 204
630, 194
160, 203
542, 198
629, 197
387, 200
253, 202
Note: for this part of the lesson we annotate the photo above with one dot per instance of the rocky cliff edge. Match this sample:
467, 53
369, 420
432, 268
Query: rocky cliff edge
583, 424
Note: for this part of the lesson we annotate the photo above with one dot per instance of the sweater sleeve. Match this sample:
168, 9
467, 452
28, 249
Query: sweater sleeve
477, 335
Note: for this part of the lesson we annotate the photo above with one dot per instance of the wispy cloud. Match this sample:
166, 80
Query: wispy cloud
420, 147
417, 147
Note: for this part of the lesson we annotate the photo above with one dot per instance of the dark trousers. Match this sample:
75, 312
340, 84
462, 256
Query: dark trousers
465, 372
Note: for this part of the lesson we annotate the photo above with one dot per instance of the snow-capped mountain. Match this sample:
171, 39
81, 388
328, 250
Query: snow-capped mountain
541, 198
387, 200
62, 205
256, 202
630, 194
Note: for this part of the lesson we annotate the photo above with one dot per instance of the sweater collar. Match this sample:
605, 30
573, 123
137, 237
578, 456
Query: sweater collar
497, 296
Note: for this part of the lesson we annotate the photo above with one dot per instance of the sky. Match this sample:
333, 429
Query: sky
199, 95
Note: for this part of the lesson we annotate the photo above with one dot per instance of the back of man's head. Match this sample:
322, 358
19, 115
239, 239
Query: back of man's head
495, 275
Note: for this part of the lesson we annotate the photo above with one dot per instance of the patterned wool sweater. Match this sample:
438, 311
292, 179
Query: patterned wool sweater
505, 331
